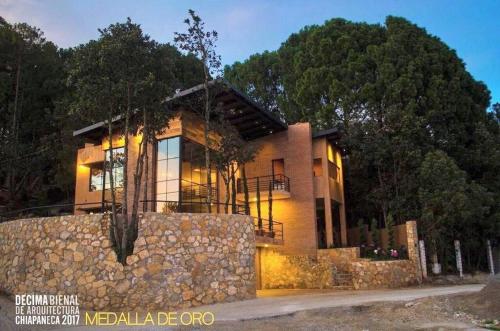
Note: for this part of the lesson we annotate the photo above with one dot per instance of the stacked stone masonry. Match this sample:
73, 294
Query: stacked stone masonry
321, 271
179, 261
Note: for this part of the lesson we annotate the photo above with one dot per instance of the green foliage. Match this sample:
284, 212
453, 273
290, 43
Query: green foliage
397, 93
362, 232
389, 225
31, 137
375, 233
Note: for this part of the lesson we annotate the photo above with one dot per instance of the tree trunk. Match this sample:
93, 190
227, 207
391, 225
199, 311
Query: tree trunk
259, 218
146, 138
206, 132
12, 170
113, 222
233, 188
226, 183
125, 215
270, 204
245, 190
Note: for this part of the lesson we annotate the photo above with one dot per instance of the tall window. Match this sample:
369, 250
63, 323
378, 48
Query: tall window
118, 163
96, 177
167, 172
333, 171
336, 225
321, 223
317, 168
194, 177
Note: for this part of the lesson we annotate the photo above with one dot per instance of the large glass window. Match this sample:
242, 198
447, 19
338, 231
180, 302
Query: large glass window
321, 223
194, 189
336, 227
96, 177
118, 163
167, 172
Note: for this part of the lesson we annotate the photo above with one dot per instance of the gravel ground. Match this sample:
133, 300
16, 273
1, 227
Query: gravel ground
447, 312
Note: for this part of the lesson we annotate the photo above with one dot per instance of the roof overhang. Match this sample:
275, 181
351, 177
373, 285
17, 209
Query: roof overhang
333, 134
250, 119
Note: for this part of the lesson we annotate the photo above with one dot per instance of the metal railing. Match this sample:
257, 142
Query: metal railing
169, 206
267, 228
191, 190
263, 228
278, 182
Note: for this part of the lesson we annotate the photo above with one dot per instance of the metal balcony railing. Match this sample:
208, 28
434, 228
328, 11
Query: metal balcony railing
194, 191
167, 206
267, 228
278, 182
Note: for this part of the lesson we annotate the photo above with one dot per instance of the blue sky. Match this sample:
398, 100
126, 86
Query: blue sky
472, 28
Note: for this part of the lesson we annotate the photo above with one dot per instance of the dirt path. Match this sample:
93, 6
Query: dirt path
399, 309
282, 303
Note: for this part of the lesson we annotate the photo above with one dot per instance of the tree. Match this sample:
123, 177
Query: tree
202, 44
224, 156
362, 232
375, 232
396, 93
259, 214
443, 198
31, 83
132, 96
389, 225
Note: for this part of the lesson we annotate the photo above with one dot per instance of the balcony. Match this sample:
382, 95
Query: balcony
268, 232
280, 185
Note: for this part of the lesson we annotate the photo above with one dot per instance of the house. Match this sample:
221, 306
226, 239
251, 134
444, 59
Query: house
303, 168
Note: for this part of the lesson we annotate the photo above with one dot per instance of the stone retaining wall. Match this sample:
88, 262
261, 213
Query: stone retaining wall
368, 274
179, 260
293, 271
322, 270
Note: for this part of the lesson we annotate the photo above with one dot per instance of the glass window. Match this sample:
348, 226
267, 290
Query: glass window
96, 178
173, 147
317, 168
333, 170
118, 162
167, 172
194, 177
321, 223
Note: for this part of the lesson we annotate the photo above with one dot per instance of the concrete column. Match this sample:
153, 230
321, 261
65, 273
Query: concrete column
491, 265
327, 195
412, 238
423, 260
458, 256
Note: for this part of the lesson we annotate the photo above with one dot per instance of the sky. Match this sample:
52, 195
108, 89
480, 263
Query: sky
472, 28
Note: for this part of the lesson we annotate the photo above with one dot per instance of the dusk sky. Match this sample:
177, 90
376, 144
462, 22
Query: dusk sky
472, 28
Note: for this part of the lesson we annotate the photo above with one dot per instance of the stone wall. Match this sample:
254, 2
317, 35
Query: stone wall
368, 274
179, 260
293, 271
329, 268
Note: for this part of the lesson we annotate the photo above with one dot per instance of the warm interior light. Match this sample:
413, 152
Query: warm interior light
197, 169
266, 245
